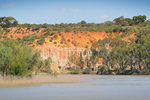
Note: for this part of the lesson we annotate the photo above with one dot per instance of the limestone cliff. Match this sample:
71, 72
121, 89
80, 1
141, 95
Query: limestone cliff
60, 55
61, 46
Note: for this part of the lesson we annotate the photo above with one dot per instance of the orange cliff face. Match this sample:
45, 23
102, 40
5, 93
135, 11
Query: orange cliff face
73, 43
19, 32
78, 39
60, 55
61, 46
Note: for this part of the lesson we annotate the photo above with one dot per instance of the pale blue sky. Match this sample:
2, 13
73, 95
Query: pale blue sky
72, 11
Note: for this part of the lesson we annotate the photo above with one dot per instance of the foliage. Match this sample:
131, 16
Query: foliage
75, 70
103, 69
120, 54
49, 70
17, 59
59, 67
55, 74
139, 19
8, 21
41, 41
127, 21
48, 61
86, 71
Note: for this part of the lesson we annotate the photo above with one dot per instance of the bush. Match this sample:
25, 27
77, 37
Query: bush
60, 34
61, 42
16, 59
59, 67
55, 74
86, 46
11, 36
102, 70
68, 40
49, 70
55, 36
55, 42
75, 70
86, 71
41, 41
50, 40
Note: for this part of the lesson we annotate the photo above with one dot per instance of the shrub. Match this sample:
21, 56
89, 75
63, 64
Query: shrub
86, 46
86, 71
55, 36
55, 42
36, 28
28, 28
18, 32
91, 41
50, 40
102, 70
75, 70
49, 70
68, 40
41, 41
4, 37
60, 34
59, 67
52, 33
16, 59
61, 42
55, 74
11, 36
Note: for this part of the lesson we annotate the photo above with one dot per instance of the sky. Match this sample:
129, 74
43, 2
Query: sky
72, 11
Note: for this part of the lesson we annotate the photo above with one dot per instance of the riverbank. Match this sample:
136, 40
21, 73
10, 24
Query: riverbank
39, 79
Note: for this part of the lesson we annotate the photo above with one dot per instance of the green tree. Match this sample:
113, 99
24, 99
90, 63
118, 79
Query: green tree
86, 71
139, 19
8, 21
94, 58
48, 62
119, 20
17, 59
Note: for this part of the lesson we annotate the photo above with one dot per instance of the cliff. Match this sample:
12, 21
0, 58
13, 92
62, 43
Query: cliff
61, 46
77, 44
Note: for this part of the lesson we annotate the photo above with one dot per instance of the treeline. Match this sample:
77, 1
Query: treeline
117, 25
8, 22
120, 24
18, 59
124, 57
119, 57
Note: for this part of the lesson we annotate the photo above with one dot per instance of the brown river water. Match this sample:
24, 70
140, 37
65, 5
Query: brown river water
96, 87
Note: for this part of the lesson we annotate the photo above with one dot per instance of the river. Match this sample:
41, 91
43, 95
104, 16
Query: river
94, 88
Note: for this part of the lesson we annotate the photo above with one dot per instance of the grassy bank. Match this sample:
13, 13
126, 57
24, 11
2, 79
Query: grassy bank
39, 79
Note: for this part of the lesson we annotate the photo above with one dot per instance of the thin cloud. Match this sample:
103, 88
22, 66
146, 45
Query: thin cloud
7, 6
70, 11
75, 10
104, 16
63, 9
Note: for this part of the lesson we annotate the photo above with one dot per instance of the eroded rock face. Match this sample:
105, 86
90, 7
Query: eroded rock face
60, 55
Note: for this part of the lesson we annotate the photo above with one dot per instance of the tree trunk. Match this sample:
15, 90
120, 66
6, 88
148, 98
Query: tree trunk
122, 65
131, 67
139, 66
131, 63
108, 67
93, 67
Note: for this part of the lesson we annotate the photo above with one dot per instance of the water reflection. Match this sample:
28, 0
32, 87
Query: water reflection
95, 88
